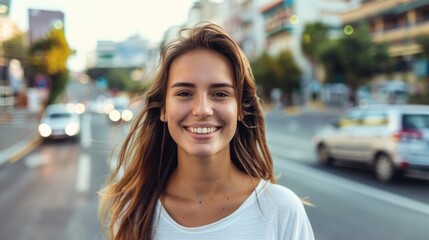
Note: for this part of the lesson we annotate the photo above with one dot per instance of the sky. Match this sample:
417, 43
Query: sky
87, 21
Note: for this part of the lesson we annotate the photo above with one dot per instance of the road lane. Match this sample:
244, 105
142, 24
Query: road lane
348, 210
52, 192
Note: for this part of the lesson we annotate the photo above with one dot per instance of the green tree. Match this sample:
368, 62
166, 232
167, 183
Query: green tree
13, 48
331, 60
120, 79
313, 36
264, 69
288, 74
49, 56
277, 72
356, 57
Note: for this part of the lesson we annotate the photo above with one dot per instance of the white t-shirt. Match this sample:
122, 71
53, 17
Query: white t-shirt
274, 213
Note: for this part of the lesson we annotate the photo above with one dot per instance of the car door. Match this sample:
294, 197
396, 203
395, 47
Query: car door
341, 142
370, 134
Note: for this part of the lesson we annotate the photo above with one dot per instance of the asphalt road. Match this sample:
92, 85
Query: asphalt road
51, 193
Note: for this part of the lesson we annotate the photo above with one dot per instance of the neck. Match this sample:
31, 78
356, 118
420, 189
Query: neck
200, 178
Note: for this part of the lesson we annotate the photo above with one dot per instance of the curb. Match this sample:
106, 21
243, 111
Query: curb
19, 150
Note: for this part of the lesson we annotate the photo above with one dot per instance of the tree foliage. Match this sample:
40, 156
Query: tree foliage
279, 71
355, 57
288, 73
264, 69
14, 48
119, 79
313, 36
48, 56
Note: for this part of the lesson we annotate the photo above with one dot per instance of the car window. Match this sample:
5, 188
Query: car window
351, 118
415, 121
60, 115
375, 119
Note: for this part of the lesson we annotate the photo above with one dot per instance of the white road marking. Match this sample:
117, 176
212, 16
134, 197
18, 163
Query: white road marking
83, 173
332, 180
35, 160
86, 131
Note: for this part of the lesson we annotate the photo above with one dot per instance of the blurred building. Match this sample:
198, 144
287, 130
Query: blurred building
284, 23
397, 23
11, 79
243, 21
42, 22
203, 10
133, 52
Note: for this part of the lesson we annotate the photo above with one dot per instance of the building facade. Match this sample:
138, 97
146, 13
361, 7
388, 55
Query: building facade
284, 23
397, 23
243, 21
133, 52
42, 21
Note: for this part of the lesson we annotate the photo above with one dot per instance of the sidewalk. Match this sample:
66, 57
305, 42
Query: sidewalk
309, 108
18, 134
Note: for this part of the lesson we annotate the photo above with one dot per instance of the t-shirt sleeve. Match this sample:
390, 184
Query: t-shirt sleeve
292, 222
300, 227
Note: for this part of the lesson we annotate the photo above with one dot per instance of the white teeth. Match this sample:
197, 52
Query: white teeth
202, 130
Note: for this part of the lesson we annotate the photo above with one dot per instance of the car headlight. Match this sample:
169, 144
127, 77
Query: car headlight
72, 129
45, 130
80, 108
114, 115
127, 115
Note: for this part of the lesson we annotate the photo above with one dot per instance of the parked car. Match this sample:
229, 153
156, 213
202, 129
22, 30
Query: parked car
393, 139
58, 122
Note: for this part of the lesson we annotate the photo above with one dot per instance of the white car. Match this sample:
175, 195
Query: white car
392, 138
120, 111
59, 122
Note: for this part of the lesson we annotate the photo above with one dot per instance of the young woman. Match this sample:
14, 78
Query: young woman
196, 163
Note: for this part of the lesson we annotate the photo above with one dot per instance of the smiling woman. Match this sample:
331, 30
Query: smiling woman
195, 163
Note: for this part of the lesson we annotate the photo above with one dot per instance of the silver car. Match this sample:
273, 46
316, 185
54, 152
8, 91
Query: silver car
59, 121
392, 138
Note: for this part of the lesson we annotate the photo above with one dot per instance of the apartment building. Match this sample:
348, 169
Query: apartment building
397, 23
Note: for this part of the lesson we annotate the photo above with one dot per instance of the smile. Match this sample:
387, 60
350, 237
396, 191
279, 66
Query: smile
202, 130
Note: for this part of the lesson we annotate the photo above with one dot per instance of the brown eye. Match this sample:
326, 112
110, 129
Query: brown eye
220, 94
184, 94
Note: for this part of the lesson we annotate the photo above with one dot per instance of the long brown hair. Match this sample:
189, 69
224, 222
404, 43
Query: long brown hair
149, 154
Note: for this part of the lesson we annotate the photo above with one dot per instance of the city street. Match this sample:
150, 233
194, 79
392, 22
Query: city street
51, 193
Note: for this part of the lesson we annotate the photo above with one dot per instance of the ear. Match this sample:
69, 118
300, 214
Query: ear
162, 115
240, 116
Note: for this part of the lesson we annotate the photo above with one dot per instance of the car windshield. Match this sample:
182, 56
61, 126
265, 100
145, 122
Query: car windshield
415, 121
60, 115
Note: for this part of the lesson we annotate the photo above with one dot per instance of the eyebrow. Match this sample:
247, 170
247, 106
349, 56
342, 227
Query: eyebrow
191, 85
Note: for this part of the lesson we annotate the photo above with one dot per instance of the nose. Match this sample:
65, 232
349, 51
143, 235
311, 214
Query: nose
202, 106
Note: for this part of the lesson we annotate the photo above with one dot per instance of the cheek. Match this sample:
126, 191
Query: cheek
230, 113
176, 112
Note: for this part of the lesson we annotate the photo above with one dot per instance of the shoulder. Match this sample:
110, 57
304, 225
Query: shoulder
281, 196
288, 210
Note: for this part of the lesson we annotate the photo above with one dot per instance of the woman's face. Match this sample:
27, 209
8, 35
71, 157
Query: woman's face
201, 105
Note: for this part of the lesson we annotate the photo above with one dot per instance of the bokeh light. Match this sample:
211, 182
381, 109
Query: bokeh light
348, 30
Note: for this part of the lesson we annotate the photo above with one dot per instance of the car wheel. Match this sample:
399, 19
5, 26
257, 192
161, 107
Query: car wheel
323, 155
384, 168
